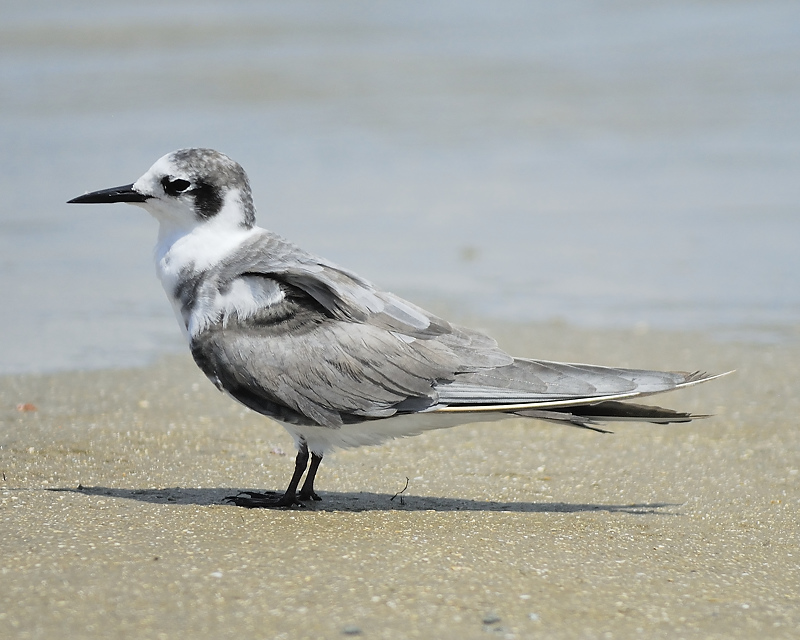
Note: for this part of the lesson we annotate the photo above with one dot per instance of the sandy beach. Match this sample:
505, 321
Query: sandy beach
614, 164
114, 523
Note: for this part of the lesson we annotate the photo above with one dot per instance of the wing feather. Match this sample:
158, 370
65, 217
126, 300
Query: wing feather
319, 345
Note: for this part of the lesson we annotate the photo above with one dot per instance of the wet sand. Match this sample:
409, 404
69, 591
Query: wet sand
113, 521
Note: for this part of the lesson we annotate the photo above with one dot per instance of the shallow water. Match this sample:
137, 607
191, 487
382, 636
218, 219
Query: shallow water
604, 163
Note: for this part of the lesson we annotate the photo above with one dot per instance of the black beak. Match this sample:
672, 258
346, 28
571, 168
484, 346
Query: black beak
125, 193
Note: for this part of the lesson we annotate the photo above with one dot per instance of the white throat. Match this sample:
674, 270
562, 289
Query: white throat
185, 248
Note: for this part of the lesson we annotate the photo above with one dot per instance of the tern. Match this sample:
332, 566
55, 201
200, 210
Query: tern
335, 360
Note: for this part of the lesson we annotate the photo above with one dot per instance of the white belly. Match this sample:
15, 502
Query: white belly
321, 440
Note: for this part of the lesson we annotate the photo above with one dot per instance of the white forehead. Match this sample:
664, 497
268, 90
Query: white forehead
164, 166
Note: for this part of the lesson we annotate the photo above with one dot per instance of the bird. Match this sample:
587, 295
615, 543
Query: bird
337, 361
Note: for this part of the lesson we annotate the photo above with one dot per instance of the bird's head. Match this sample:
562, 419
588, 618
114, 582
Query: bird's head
187, 188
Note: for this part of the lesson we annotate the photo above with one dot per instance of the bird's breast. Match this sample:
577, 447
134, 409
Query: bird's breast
186, 260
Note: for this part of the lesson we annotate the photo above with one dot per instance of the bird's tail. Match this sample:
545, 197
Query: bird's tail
590, 416
576, 394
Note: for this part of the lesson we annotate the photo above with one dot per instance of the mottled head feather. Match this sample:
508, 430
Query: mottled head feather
212, 174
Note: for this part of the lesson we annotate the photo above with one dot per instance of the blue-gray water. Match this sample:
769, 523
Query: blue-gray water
611, 164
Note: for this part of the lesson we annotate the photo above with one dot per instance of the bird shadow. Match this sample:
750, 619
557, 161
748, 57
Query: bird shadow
368, 501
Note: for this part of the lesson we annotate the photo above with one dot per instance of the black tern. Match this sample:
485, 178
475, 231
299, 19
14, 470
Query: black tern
335, 360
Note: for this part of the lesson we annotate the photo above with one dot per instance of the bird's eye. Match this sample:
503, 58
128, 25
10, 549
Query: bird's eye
174, 187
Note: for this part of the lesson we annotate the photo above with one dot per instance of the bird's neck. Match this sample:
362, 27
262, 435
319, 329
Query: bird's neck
181, 251
184, 255
203, 244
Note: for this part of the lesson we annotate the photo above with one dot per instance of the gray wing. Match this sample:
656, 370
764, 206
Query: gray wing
542, 381
343, 294
336, 350
297, 363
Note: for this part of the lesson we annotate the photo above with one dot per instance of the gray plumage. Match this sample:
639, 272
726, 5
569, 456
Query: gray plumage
335, 350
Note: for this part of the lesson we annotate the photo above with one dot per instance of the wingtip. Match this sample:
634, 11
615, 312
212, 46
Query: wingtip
696, 377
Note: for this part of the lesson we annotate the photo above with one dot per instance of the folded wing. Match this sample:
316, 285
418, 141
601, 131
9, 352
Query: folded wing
330, 349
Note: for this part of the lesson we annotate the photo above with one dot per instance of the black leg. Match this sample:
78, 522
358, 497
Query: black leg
307, 492
272, 500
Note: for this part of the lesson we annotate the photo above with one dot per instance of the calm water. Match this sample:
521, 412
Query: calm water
606, 163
